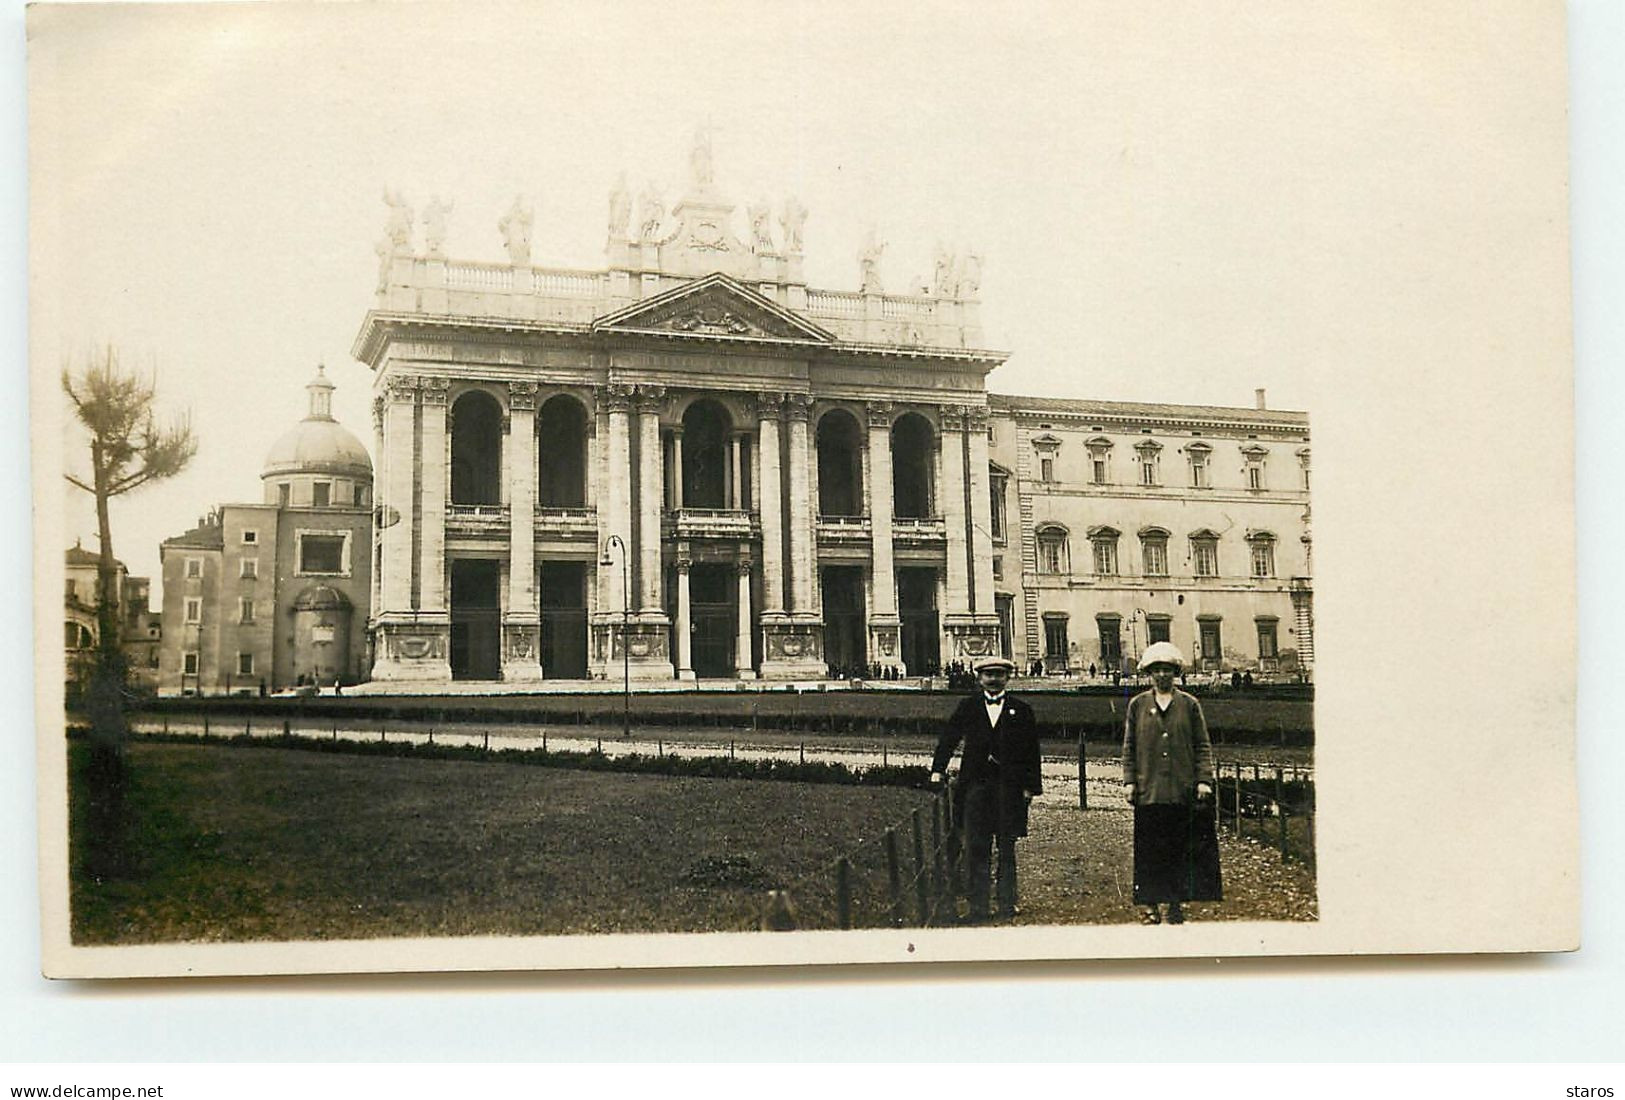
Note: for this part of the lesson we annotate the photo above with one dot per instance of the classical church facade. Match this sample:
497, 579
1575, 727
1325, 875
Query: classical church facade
692, 465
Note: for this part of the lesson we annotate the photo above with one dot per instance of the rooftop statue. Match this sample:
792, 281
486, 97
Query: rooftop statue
761, 227
515, 229
869, 264
398, 228
942, 284
970, 274
699, 158
434, 227
620, 209
651, 214
791, 221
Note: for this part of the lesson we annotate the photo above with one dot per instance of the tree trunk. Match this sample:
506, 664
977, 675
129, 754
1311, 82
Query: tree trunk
106, 705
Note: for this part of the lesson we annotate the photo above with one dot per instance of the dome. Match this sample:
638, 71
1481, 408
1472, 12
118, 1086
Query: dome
321, 597
318, 444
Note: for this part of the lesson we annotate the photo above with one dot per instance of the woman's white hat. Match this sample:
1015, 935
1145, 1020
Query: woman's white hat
1161, 653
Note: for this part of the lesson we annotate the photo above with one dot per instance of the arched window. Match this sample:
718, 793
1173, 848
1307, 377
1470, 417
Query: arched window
913, 445
561, 453
476, 449
840, 465
1261, 553
78, 636
706, 425
1154, 551
1103, 541
1204, 553
1053, 555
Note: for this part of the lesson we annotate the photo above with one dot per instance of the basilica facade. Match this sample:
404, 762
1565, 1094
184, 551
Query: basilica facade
692, 465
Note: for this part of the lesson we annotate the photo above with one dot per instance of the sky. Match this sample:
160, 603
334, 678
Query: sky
1169, 209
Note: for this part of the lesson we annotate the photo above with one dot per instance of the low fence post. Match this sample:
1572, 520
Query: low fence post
166, 725
919, 870
248, 726
286, 732
1083, 767
1280, 811
939, 877
843, 892
894, 880
205, 723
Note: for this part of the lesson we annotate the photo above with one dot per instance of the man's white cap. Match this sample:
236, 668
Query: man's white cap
994, 662
1161, 653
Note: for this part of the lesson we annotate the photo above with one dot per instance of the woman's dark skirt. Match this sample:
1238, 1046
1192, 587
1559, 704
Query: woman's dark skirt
1176, 854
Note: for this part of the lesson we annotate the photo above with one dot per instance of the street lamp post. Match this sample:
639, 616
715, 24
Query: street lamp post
626, 625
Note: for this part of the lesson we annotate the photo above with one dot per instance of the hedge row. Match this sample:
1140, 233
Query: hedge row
709, 767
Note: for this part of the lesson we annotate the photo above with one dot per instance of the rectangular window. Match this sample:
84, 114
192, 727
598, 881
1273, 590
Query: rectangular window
1148, 473
1206, 557
321, 553
320, 493
998, 567
1158, 628
1105, 557
996, 503
1046, 470
1255, 477
250, 537
1266, 640
73, 591
1211, 650
1111, 642
194, 609
283, 495
1051, 555
251, 568
189, 664
1156, 558
1263, 559
1198, 473
1099, 471
245, 609
1306, 479
1055, 638
194, 567
245, 664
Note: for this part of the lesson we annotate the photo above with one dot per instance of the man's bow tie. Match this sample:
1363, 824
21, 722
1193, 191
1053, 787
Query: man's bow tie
991, 699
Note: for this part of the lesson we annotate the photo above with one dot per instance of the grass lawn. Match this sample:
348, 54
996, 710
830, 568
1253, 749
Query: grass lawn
283, 845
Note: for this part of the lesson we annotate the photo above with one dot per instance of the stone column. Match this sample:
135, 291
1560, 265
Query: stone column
521, 625
799, 513
981, 517
615, 517
650, 503
951, 505
884, 625
736, 496
683, 628
400, 425
742, 643
436, 473
770, 504
677, 467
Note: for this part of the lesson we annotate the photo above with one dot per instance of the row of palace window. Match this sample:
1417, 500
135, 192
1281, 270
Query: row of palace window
1148, 456
189, 663
1159, 628
1054, 552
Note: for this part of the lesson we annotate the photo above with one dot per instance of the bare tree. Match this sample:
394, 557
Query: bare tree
128, 448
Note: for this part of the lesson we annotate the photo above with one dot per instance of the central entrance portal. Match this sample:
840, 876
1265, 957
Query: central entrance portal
845, 624
476, 620
917, 608
563, 586
714, 619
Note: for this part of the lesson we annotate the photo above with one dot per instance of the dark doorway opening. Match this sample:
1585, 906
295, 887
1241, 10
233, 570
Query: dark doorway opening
476, 449
917, 608
563, 586
476, 620
713, 619
561, 453
845, 626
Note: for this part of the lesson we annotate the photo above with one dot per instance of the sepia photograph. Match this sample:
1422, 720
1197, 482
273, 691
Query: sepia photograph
540, 486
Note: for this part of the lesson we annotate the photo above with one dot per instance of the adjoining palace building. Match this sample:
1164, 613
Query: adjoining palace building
694, 455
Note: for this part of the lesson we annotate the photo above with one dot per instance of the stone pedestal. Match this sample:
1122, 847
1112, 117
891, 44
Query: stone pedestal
971, 637
792, 648
521, 649
410, 646
885, 643
647, 640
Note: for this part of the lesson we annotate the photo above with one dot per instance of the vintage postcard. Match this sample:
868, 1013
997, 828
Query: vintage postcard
543, 486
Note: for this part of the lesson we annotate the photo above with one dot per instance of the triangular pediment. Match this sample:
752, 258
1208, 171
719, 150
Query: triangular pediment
716, 306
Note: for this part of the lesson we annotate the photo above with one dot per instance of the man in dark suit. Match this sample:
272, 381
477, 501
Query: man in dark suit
999, 774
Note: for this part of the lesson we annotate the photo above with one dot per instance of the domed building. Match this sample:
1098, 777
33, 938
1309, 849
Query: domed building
274, 595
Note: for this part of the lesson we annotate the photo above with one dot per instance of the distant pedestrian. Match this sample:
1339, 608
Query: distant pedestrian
999, 775
1168, 769
1091, 670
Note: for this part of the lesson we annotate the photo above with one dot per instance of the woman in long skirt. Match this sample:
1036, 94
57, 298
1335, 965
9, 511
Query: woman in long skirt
1168, 769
